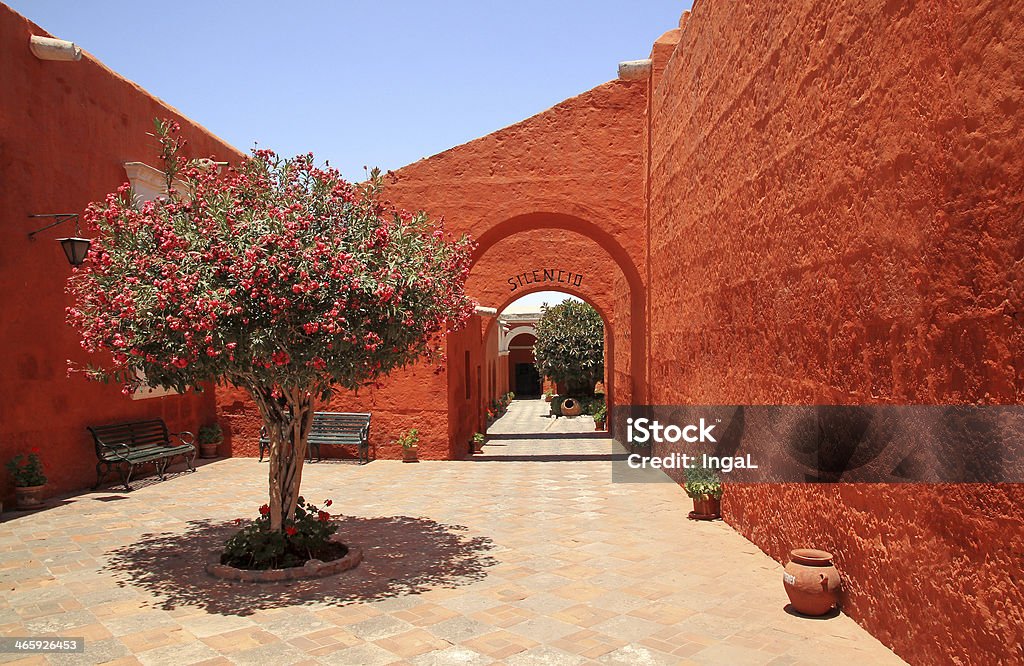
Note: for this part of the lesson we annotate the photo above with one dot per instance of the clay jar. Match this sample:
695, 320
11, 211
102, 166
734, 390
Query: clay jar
811, 581
571, 407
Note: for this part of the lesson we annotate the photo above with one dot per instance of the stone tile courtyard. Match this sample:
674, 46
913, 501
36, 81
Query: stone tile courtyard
527, 555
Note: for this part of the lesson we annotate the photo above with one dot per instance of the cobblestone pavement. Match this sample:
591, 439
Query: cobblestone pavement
528, 555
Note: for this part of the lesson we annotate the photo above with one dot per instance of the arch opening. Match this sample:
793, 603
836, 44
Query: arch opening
559, 253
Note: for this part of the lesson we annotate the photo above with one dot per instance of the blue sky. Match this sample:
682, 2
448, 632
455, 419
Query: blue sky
360, 83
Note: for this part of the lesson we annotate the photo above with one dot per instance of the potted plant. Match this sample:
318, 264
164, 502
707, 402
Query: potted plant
548, 394
704, 487
599, 417
478, 442
408, 442
29, 480
210, 438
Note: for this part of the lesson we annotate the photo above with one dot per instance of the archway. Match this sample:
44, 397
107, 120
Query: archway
533, 428
547, 252
636, 291
490, 330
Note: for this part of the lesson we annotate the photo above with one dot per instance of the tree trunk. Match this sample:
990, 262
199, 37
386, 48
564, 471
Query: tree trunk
288, 419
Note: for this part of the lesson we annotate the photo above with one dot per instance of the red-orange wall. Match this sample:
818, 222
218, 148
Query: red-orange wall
65, 132
562, 188
575, 170
836, 217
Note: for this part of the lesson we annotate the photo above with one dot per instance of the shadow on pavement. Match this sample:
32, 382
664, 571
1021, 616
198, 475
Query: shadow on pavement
549, 457
402, 556
597, 434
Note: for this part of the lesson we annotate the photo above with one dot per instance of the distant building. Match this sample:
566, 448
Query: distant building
517, 333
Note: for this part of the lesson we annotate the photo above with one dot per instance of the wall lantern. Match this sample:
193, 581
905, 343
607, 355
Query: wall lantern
75, 247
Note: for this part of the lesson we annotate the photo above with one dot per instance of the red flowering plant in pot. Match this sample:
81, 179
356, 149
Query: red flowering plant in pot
29, 479
278, 277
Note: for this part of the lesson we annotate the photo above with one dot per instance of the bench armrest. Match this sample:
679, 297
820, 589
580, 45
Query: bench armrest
113, 451
190, 439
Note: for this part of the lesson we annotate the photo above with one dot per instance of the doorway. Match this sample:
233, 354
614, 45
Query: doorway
527, 384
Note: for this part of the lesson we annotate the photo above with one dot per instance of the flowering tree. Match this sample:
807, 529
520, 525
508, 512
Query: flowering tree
278, 277
570, 346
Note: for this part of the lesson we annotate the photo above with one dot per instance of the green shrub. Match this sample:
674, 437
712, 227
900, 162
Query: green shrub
703, 481
26, 471
211, 434
409, 439
570, 346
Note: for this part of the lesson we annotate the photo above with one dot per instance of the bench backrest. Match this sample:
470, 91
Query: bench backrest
135, 435
342, 427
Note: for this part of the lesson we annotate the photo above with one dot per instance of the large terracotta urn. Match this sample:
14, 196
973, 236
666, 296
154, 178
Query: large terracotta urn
811, 581
571, 407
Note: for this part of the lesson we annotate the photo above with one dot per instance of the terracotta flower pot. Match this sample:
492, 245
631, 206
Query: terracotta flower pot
548, 397
598, 424
410, 454
478, 447
208, 450
811, 581
29, 497
706, 507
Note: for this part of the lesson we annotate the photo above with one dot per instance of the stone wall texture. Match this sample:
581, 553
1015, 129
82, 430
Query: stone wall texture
836, 208
66, 130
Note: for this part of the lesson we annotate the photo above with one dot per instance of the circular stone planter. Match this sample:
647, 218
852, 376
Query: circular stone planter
312, 569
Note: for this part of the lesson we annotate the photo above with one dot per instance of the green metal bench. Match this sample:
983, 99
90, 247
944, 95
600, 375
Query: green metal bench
333, 428
130, 445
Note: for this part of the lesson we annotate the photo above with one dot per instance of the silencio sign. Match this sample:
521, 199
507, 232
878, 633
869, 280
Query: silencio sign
545, 275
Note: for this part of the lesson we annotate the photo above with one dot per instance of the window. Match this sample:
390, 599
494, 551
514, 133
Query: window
147, 184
